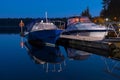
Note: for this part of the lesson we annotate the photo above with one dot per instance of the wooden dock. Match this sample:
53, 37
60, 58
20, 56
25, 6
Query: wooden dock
107, 47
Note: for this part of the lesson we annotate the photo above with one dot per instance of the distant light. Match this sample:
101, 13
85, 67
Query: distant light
21, 24
106, 19
41, 21
119, 24
115, 18
22, 44
109, 43
119, 30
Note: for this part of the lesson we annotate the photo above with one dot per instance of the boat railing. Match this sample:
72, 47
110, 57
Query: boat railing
115, 26
59, 24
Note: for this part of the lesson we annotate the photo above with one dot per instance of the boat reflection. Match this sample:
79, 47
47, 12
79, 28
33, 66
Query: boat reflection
77, 54
48, 56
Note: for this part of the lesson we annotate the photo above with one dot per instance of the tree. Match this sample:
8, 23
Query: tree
111, 9
104, 12
105, 4
86, 13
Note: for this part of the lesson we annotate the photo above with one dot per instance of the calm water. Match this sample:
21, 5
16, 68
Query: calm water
18, 63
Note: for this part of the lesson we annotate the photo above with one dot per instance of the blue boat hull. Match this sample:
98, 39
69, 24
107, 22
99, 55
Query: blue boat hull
47, 36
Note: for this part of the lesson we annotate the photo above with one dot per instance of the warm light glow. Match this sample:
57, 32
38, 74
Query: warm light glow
21, 24
73, 20
106, 19
95, 21
84, 19
21, 44
76, 19
119, 30
115, 18
109, 43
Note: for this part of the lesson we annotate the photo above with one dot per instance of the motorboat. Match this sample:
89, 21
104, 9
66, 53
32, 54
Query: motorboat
82, 26
45, 31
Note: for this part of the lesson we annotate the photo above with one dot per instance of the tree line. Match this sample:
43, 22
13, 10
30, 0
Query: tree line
15, 21
11, 25
111, 9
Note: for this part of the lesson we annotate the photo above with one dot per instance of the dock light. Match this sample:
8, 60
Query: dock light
115, 18
21, 24
119, 29
109, 43
106, 19
119, 24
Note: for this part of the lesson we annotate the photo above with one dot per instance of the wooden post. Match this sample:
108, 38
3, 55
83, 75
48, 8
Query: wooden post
21, 24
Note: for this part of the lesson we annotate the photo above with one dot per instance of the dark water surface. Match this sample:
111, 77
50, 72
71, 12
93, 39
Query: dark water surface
18, 63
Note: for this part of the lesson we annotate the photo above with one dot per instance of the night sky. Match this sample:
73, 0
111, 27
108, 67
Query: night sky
54, 8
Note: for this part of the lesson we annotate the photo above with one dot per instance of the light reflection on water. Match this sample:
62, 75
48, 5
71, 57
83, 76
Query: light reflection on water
17, 63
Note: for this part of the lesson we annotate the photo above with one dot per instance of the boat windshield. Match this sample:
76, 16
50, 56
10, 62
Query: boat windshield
43, 26
75, 20
85, 20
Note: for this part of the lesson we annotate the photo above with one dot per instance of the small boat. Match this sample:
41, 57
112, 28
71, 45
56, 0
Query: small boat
84, 27
45, 31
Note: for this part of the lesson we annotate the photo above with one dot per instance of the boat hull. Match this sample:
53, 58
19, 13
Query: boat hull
90, 33
46, 36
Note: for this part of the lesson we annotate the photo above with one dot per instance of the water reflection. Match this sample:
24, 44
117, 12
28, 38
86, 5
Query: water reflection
16, 64
9, 29
48, 56
77, 54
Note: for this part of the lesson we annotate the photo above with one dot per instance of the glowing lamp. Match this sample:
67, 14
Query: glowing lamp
21, 24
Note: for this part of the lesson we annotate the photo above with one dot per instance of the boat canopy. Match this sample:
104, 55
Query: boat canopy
82, 19
30, 25
40, 25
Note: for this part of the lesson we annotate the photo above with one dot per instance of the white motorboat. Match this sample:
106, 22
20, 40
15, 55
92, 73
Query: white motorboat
84, 27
